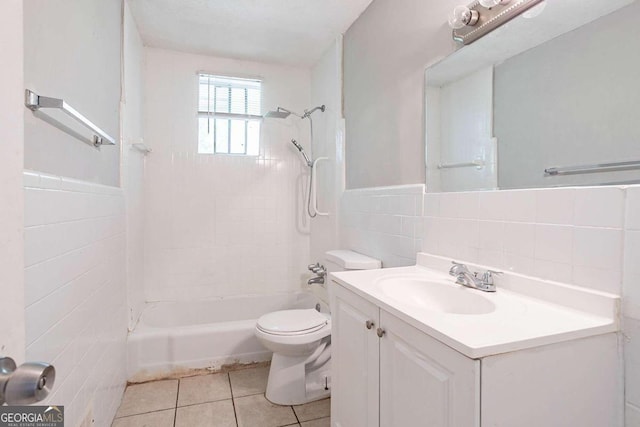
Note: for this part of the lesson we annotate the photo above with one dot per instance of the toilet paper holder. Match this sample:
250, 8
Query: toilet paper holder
28, 383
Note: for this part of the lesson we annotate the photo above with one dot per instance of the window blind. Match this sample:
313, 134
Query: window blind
229, 115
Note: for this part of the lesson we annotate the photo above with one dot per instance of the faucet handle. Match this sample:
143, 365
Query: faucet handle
487, 277
319, 269
457, 268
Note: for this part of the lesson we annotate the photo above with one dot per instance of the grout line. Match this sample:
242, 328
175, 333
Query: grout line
175, 409
84, 246
247, 395
295, 415
82, 219
69, 221
316, 419
205, 402
233, 399
142, 413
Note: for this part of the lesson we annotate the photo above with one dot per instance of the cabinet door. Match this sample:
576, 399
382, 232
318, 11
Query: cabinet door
423, 382
354, 360
573, 383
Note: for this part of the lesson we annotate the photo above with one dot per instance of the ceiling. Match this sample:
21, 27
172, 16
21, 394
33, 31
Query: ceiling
293, 32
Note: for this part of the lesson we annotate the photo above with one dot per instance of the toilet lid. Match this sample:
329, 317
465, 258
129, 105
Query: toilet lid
292, 321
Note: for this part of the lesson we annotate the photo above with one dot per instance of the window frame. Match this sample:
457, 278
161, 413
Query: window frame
213, 115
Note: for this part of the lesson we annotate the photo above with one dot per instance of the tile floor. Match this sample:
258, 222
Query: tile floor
234, 399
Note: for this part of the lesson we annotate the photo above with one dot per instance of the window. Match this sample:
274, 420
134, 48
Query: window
228, 115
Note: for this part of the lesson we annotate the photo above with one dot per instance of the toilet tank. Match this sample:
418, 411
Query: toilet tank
344, 260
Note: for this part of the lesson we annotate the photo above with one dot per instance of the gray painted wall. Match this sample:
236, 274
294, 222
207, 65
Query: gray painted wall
571, 101
72, 51
12, 324
385, 54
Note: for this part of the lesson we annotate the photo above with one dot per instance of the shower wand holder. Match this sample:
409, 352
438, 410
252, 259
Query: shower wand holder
25, 384
315, 186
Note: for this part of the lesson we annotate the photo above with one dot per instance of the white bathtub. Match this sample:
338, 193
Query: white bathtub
176, 336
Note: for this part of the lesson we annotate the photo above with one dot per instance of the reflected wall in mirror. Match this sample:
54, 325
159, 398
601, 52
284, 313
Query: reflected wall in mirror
561, 90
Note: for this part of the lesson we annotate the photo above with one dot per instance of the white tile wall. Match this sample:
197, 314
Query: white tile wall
383, 222
75, 291
632, 273
631, 300
219, 225
632, 362
573, 235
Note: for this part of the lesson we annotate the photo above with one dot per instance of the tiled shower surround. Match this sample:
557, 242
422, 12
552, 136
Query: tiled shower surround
219, 225
75, 292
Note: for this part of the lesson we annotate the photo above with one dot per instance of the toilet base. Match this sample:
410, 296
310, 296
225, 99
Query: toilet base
290, 382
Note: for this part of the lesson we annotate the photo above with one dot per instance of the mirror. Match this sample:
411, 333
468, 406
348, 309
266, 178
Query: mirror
552, 98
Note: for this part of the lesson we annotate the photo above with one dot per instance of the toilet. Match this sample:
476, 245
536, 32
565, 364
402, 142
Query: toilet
300, 340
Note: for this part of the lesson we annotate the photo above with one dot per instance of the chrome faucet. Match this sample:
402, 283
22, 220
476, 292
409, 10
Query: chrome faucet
320, 271
464, 277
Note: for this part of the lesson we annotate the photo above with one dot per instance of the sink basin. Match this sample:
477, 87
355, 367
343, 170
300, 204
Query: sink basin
435, 296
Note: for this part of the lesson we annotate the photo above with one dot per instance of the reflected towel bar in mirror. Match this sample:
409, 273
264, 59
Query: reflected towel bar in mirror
35, 102
599, 167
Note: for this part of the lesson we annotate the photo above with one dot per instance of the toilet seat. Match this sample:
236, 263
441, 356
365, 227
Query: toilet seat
292, 322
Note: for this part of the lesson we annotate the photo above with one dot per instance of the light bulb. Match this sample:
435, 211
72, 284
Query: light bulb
462, 16
535, 10
491, 3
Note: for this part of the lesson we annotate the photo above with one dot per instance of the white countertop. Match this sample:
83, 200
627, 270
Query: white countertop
528, 312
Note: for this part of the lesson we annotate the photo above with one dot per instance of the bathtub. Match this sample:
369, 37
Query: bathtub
174, 337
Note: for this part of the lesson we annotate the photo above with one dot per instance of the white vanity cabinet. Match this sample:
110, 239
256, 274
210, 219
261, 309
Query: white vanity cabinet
354, 360
387, 373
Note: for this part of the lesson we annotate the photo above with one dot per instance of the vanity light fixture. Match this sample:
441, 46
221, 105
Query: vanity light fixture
480, 17
492, 3
463, 16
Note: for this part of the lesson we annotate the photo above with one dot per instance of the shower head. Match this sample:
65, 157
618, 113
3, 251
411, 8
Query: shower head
281, 113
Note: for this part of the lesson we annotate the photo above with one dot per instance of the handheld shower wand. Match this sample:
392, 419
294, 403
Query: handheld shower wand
301, 150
